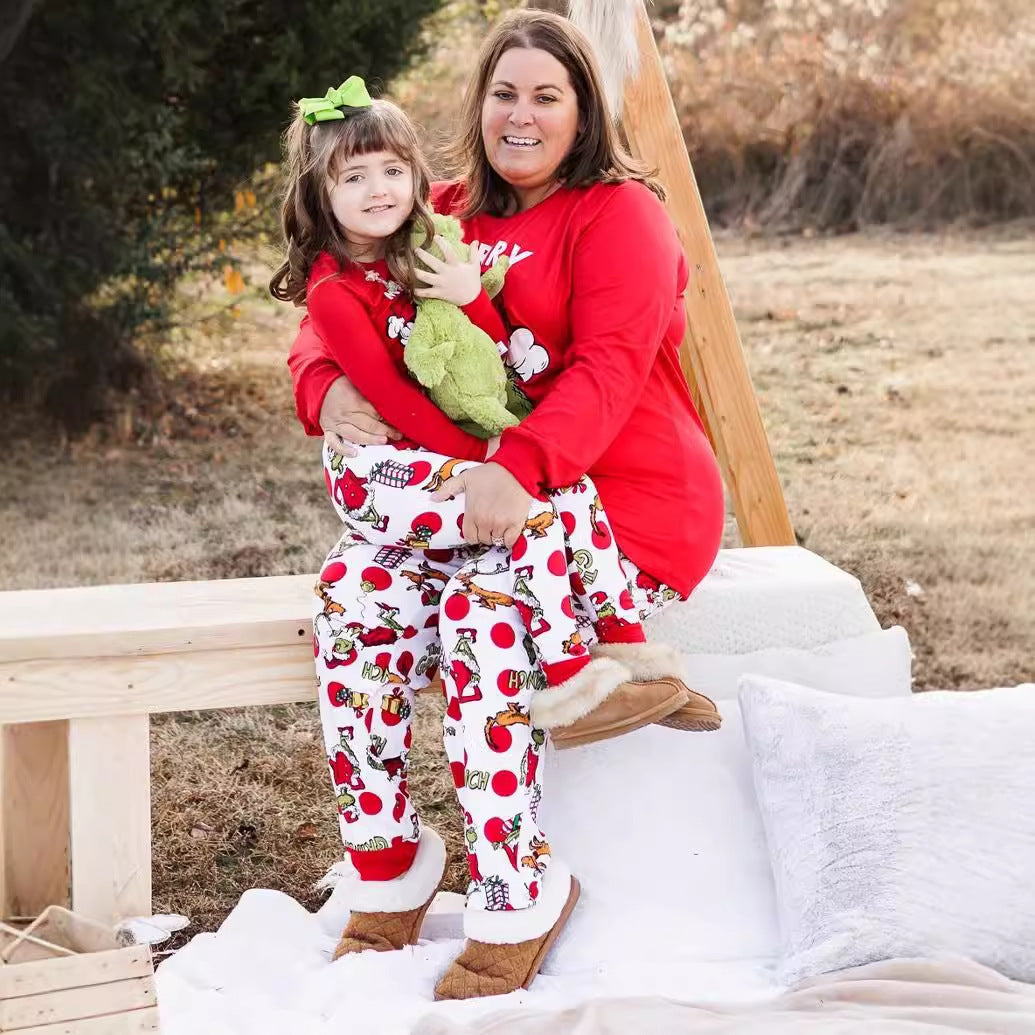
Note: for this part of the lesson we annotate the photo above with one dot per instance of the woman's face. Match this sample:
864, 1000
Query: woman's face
530, 116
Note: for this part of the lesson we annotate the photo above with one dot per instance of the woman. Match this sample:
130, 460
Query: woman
593, 303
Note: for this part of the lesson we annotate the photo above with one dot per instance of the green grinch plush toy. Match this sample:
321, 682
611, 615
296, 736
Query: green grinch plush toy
458, 362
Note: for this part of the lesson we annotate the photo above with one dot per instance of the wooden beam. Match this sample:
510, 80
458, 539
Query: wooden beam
712, 357
34, 870
110, 817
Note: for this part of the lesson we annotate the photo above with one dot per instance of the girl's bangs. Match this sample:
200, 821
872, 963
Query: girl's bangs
368, 132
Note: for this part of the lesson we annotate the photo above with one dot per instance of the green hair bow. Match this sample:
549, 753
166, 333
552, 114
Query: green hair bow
351, 94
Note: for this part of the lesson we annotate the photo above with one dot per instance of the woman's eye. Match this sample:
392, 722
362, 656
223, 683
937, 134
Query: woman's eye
546, 98
503, 95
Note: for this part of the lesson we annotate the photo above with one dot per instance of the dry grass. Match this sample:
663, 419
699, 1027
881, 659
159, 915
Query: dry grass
896, 380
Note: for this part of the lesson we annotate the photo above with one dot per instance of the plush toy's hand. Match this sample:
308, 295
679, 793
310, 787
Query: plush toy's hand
451, 279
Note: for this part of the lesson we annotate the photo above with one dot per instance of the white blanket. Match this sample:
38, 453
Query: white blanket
893, 997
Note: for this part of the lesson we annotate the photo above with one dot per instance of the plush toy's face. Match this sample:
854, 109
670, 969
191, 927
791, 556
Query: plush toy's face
449, 228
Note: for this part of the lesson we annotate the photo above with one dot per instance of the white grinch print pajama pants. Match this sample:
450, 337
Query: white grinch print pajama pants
400, 597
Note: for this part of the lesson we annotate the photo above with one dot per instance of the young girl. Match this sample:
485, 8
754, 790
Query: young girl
357, 187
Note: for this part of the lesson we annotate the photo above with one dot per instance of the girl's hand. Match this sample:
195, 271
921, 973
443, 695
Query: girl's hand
453, 279
496, 505
349, 420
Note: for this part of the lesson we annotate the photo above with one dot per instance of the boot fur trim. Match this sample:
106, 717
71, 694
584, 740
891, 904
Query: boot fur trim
644, 660
407, 891
561, 705
511, 926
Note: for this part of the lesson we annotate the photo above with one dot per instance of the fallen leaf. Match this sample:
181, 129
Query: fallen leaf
306, 832
200, 831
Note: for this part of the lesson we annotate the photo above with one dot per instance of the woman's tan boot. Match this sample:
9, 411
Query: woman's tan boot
654, 665
387, 915
498, 967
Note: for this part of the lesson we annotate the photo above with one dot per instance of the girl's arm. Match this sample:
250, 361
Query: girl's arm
482, 313
312, 373
353, 343
621, 306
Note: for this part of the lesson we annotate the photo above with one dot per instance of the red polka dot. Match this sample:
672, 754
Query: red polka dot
407, 738
567, 607
601, 536
327, 480
421, 469
370, 803
519, 549
503, 635
405, 663
460, 522
510, 682
336, 694
504, 783
457, 607
500, 738
377, 577
439, 556
625, 598
557, 564
409, 632
568, 520
316, 647
400, 807
459, 773
495, 830
333, 572
429, 519
383, 660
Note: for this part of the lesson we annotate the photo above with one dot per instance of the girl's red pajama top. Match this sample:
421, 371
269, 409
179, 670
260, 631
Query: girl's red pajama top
593, 308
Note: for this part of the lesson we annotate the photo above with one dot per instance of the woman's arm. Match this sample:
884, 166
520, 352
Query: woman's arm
622, 303
355, 348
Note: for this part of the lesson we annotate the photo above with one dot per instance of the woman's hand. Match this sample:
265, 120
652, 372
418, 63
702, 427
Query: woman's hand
451, 279
348, 420
496, 506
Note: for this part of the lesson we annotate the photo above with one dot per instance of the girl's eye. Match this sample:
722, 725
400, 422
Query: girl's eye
394, 171
354, 178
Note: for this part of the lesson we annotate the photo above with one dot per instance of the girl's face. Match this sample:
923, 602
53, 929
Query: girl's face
530, 116
371, 197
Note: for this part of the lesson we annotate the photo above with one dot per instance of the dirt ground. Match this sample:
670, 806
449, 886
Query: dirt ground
896, 378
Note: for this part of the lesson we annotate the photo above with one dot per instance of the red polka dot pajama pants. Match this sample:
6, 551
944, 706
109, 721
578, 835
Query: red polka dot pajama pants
399, 597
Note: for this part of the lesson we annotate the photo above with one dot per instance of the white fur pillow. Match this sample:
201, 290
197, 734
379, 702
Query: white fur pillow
899, 826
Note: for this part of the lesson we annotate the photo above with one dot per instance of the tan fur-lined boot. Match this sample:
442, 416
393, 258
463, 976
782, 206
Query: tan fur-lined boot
497, 967
599, 702
656, 664
387, 915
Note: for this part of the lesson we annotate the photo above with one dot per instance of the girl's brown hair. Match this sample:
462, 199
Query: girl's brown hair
597, 156
313, 157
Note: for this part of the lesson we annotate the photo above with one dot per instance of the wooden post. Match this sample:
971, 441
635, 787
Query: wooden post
712, 357
34, 871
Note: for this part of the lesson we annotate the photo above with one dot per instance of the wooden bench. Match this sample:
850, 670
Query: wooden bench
81, 671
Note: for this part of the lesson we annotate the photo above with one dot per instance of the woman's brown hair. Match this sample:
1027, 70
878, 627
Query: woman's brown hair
313, 157
597, 156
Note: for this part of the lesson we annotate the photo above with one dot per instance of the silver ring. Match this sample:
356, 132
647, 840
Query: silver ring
498, 540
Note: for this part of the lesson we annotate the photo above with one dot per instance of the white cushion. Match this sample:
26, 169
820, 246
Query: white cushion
766, 597
897, 827
662, 830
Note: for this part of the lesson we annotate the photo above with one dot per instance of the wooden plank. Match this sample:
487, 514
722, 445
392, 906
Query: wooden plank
34, 870
712, 357
137, 1022
74, 1004
155, 617
93, 687
110, 817
94, 968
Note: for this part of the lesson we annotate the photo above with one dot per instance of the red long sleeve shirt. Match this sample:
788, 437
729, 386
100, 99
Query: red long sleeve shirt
593, 307
364, 319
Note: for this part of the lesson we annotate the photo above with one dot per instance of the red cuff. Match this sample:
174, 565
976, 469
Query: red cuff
517, 458
482, 313
385, 863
